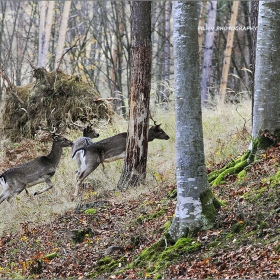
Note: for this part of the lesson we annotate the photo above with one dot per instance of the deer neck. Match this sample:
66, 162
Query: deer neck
151, 136
55, 153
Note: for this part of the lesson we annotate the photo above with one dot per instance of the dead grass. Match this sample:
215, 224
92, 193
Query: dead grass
222, 139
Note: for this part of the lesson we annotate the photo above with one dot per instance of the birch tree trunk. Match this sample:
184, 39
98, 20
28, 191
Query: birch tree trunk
167, 50
62, 32
266, 111
195, 201
208, 51
42, 35
201, 27
134, 169
228, 50
46, 17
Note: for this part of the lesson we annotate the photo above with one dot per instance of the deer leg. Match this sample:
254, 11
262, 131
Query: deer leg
82, 175
7, 192
4, 196
50, 185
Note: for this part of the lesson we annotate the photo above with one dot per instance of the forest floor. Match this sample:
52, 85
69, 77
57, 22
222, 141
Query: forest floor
109, 238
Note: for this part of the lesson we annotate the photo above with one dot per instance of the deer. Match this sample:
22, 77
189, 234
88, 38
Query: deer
85, 140
38, 170
106, 150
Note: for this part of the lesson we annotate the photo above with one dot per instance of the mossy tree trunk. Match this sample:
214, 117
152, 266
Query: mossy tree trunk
266, 110
266, 106
195, 207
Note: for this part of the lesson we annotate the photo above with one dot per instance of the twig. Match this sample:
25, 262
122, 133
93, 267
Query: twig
60, 60
10, 85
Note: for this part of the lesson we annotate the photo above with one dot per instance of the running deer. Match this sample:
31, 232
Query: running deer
88, 134
31, 173
106, 150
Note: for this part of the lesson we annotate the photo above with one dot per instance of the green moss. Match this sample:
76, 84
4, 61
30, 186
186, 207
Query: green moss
209, 208
166, 226
51, 256
238, 227
151, 216
90, 211
277, 248
172, 194
254, 194
161, 254
241, 175
106, 265
233, 164
232, 170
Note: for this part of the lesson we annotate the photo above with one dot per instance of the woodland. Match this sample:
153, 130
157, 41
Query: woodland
200, 203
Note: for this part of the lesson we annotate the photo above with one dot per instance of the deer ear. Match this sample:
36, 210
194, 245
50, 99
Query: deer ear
158, 126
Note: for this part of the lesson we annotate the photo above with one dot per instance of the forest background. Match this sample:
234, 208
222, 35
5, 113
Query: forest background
101, 57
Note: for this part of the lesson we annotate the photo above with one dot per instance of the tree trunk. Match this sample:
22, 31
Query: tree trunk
254, 10
167, 55
62, 32
228, 50
46, 17
42, 35
195, 208
134, 169
201, 27
266, 111
208, 51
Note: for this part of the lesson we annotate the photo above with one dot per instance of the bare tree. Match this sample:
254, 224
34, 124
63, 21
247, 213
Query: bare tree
208, 51
62, 31
134, 169
228, 50
46, 18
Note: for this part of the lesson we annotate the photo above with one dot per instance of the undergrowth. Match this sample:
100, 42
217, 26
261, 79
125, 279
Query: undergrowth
222, 140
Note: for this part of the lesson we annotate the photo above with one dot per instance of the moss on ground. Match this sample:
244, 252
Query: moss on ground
162, 253
106, 265
210, 204
217, 177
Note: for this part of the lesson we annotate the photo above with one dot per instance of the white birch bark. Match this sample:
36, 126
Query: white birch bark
192, 181
62, 31
42, 34
208, 51
266, 110
46, 18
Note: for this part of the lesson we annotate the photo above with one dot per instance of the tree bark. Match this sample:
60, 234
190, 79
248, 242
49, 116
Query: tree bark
228, 50
46, 17
266, 111
62, 32
134, 169
195, 208
208, 51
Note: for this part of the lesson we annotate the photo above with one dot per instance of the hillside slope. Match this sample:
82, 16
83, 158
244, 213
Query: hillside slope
109, 237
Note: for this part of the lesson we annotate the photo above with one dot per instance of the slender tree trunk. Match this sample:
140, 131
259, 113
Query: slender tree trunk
254, 10
208, 51
201, 27
266, 111
134, 169
195, 208
42, 34
167, 54
62, 32
46, 17
227, 53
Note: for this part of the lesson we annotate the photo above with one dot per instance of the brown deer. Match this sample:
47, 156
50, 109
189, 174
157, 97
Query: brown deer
106, 150
31, 173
